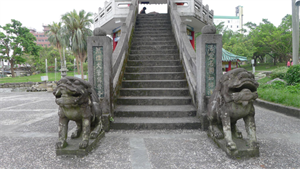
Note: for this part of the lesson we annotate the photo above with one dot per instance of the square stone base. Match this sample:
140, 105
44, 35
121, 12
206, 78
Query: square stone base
243, 149
73, 146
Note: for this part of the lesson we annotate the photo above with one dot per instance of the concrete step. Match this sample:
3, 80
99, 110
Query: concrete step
154, 69
154, 36
159, 51
153, 16
154, 47
157, 21
155, 76
154, 92
152, 24
153, 57
155, 111
154, 100
160, 28
155, 33
154, 84
146, 123
153, 63
169, 42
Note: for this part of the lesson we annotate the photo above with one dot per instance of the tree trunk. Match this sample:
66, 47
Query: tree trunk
81, 68
12, 68
61, 59
77, 63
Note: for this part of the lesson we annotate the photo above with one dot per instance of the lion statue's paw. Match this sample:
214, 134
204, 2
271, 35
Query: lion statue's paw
231, 146
94, 134
238, 134
83, 144
61, 144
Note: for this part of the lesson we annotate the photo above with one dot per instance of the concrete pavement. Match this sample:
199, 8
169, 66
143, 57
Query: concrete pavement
28, 132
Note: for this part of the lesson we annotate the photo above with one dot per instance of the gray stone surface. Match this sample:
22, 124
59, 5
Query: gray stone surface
105, 42
202, 42
278, 136
276, 79
209, 29
99, 32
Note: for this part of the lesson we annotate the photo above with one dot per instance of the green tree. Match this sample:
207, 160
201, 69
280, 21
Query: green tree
220, 28
78, 26
57, 37
271, 40
15, 42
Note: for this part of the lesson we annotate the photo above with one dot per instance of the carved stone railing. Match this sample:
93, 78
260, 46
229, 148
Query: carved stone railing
187, 53
121, 52
202, 12
112, 9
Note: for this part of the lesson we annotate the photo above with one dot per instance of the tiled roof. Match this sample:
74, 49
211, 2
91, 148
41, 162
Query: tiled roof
227, 56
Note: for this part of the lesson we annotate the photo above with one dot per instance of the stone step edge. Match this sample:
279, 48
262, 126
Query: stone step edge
184, 80
154, 55
151, 66
156, 108
154, 50
155, 97
155, 89
175, 45
152, 60
156, 120
154, 73
166, 41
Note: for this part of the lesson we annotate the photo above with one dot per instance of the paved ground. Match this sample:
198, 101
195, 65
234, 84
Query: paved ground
28, 132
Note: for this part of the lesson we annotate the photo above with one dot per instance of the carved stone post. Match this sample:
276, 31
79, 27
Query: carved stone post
209, 68
100, 71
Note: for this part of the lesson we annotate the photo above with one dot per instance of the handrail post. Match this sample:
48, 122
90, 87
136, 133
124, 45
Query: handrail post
209, 68
99, 51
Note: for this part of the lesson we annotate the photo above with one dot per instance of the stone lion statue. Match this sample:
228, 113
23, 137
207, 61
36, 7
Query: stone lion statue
232, 100
78, 102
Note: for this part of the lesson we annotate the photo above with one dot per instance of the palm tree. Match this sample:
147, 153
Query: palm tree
78, 26
56, 37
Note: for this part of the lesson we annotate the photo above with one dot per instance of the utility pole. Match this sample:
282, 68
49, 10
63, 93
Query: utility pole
295, 21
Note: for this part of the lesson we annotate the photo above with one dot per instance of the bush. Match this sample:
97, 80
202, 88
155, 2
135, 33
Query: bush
293, 75
279, 72
51, 68
85, 66
273, 85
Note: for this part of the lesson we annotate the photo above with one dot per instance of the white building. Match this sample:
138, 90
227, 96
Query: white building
235, 23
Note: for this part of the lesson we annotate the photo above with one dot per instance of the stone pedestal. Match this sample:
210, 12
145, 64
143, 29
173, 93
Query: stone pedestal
73, 149
243, 149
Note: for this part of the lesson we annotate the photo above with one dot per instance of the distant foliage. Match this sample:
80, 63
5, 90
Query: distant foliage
293, 89
279, 72
273, 85
293, 75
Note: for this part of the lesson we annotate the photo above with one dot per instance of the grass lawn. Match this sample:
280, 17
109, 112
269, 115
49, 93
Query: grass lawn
34, 78
263, 66
285, 95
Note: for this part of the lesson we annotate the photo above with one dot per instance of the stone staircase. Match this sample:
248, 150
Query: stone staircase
154, 93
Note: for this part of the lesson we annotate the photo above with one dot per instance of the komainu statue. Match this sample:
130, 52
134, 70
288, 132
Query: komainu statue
78, 102
232, 100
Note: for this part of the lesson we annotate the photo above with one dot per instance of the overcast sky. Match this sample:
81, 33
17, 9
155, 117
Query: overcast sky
35, 13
